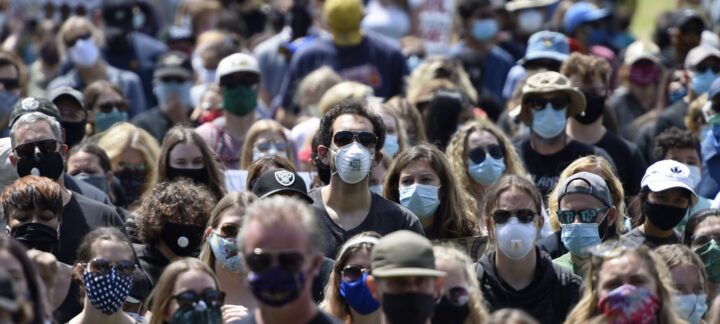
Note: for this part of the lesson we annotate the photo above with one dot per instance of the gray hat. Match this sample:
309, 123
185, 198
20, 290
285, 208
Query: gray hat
404, 253
67, 91
594, 186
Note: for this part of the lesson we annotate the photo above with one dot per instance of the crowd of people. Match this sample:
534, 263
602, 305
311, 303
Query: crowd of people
358, 161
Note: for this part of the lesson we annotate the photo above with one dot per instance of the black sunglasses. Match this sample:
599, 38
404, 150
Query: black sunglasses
539, 103
352, 273
211, 298
173, 79
478, 154
343, 138
229, 230
700, 240
261, 261
702, 68
27, 150
550, 65
587, 216
524, 215
102, 267
107, 107
457, 296
72, 42
233, 80
10, 84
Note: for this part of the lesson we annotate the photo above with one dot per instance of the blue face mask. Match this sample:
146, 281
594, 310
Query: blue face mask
548, 122
484, 30
488, 171
677, 94
378, 189
391, 146
421, 199
701, 82
103, 120
358, 296
577, 238
691, 307
163, 91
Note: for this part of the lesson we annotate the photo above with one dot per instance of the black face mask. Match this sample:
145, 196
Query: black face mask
446, 312
198, 176
49, 165
593, 110
664, 217
408, 308
49, 54
183, 240
74, 132
96, 181
132, 181
36, 236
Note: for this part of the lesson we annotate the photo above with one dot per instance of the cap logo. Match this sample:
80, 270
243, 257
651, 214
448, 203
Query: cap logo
29, 104
285, 178
676, 170
547, 42
173, 60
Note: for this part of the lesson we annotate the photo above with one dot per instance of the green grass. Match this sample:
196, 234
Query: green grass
644, 21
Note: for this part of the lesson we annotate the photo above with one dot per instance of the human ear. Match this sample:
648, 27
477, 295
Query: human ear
372, 286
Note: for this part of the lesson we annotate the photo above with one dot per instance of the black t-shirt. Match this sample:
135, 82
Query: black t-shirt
154, 122
80, 216
652, 242
384, 217
630, 164
320, 318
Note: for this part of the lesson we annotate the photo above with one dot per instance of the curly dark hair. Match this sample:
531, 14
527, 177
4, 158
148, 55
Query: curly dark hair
357, 107
674, 137
179, 201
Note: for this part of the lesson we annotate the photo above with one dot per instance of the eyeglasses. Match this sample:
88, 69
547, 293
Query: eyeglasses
478, 154
107, 107
525, 216
457, 296
189, 298
700, 240
539, 103
10, 84
343, 138
173, 79
72, 42
27, 150
587, 216
352, 273
265, 146
704, 67
229, 230
261, 261
102, 267
233, 80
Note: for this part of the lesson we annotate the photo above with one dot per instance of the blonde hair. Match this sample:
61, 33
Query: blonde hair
445, 253
695, 120
78, 22
439, 67
600, 166
341, 91
311, 88
675, 255
259, 127
231, 200
123, 136
161, 295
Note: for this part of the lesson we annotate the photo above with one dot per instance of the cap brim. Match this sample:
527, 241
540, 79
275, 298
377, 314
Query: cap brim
402, 272
543, 55
597, 15
173, 72
289, 190
221, 74
669, 184
633, 60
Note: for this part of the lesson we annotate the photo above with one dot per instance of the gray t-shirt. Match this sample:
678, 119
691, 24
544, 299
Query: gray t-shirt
652, 242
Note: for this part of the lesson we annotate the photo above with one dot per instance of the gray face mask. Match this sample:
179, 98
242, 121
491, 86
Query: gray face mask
96, 181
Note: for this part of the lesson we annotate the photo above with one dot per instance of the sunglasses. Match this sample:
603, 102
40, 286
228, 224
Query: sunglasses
10, 84
457, 296
343, 138
107, 107
229, 230
702, 68
539, 103
173, 79
478, 154
232, 81
586, 216
261, 261
265, 146
189, 298
103, 267
27, 150
550, 65
72, 42
524, 216
352, 273
700, 240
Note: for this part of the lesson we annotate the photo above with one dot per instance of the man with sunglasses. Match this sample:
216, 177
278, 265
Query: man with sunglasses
350, 140
587, 217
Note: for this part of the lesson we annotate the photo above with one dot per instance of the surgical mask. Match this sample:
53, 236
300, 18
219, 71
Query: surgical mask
420, 199
107, 292
84, 53
408, 308
96, 181
691, 307
182, 239
378, 189
488, 171
392, 146
577, 238
694, 175
514, 239
104, 121
36, 236
257, 154
353, 163
225, 250
710, 256
664, 217
49, 165
530, 21
276, 287
629, 304
484, 30
199, 313
239, 100
549, 122
701, 82
163, 91
358, 296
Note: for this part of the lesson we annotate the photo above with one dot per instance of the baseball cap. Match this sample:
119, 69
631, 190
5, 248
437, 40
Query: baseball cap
238, 62
527, 4
9, 300
714, 89
403, 253
581, 13
34, 104
698, 54
640, 50
546, 45
594, 186
281, 181
343, 18
551, 81
173, 64
67, 91
684, 16
667, 174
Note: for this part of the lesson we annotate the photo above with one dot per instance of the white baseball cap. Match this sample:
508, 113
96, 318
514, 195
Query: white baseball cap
667, 174
238, 62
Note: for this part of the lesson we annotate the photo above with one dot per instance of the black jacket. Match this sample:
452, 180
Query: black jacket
549, 298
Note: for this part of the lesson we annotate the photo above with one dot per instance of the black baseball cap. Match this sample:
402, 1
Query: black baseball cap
66, 91
281, 181
173, 64
684, 16
34, 104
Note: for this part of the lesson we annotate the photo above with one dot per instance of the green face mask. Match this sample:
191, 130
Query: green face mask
710, 255
239, 100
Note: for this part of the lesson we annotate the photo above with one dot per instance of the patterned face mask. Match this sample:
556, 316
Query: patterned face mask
107, 292
629, 304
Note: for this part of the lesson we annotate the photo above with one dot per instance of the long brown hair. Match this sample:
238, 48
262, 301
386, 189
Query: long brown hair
231, 200
161, 295
37, 311
505, 183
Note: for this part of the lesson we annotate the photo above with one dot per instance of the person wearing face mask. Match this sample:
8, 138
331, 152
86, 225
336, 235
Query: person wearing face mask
478, 46
420, 180
172, 81
710, 144
404, 278
591, 75
526, 18
688, 277
685, 33
174, 216
666, 195
89, 163
281, 246
461, 301
266, 138
586, 26
12, 89
350, 139
73, 115
702, 235
548, 100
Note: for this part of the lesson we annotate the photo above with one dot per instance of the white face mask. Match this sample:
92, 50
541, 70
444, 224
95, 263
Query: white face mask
353, 163
530, 21
84, 52
514, 239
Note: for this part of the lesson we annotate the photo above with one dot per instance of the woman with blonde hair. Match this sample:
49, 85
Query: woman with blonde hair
461, 301
265, 137
688, 277
133, 154
420, 179
439, 67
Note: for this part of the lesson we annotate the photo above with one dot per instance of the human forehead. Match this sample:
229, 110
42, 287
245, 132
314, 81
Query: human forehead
185, 149
195, 280
625, 265
454, 270
280, 236
417, 167
481, 138
709, 225
515, 198
84, 160
111, 250
32, 132
576, 201
352, 122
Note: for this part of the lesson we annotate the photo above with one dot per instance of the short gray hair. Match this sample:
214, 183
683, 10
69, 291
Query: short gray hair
281, 210
31, 118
